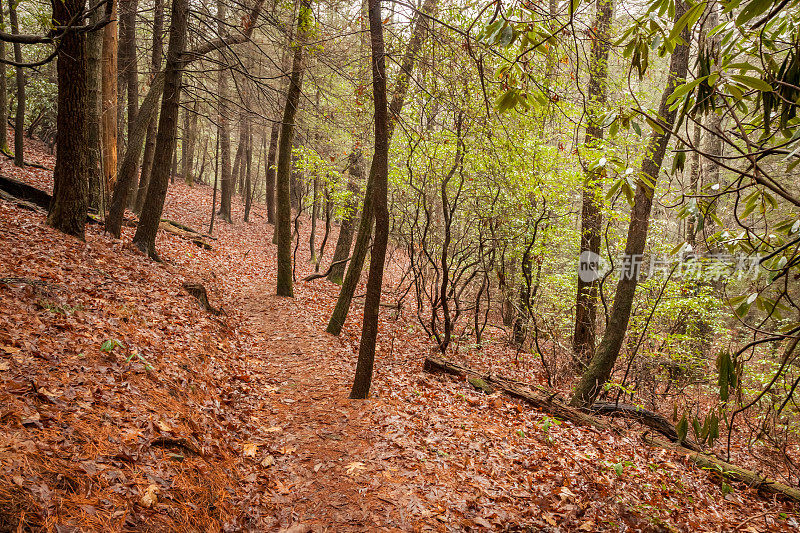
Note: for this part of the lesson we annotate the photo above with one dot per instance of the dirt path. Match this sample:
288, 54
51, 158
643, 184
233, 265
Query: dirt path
324, 442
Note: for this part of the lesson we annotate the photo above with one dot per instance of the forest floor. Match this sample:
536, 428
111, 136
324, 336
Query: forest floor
124, 406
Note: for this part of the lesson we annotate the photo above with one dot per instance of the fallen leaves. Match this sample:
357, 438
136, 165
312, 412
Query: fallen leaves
240, 396
249, 449
355, 468
287, 449
150, 496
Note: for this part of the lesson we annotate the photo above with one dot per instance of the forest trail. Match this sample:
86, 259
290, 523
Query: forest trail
323, 437
262, 393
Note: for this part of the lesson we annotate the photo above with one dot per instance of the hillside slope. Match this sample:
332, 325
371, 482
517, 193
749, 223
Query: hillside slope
124, 406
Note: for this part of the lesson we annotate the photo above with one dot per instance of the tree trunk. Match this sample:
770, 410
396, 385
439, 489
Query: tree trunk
145, 237
364, 234
216, 181
127, 67
189, 141
174, 168
19, 121
295, 187
270, 179
283, 212
68, 207
312, 240
602, 363
109, 98
3, 89
248, 165
694, 180
345, 240
150, 142
94, 51
583, 340
226, 191
149, 109
380, 171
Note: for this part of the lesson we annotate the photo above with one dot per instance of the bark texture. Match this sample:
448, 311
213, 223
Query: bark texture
68, 207
145, 237
380, 171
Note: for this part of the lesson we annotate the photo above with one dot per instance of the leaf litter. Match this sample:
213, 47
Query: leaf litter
193, 422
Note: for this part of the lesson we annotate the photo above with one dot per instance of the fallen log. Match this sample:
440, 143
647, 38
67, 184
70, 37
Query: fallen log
23, 191
554, 407
721, 468
29, 197
187, 228
647, 418
516, 390
195, 238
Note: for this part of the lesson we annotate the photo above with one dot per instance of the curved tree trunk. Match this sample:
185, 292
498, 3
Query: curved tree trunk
150, 142
583, 340
68, 206
365, 224
602, 363
283, 212
380, 171
145, 237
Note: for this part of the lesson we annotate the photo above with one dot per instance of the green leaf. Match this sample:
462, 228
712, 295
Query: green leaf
696, 427
681, 90
713, 429
506, 101
109, 345
752, 9
654, 125
752, 82
689, 18
682, 428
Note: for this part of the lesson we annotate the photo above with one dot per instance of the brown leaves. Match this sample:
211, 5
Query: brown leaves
150, 496
247, 415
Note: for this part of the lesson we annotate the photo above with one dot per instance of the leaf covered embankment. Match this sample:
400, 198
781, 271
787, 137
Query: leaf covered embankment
109, 386
241, 421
